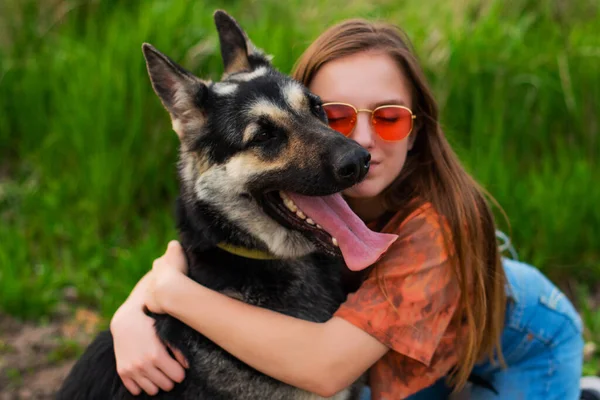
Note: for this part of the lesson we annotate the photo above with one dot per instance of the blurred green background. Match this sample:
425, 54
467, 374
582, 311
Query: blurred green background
87, 155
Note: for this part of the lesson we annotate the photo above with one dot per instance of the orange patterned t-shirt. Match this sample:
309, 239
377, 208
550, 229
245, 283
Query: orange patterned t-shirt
414, 319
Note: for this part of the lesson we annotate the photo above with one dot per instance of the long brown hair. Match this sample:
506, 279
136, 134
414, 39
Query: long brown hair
432, 173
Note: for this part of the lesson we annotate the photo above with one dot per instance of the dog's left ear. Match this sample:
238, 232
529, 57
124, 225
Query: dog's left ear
237, 51
182, 93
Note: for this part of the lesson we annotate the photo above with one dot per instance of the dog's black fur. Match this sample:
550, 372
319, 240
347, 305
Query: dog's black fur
244, 139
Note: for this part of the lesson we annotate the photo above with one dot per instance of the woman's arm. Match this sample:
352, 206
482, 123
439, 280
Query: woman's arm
143, 362
322, 358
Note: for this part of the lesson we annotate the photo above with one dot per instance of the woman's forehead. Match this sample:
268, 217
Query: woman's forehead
367, 78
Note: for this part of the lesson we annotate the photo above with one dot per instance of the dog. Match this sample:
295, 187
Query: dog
259, 215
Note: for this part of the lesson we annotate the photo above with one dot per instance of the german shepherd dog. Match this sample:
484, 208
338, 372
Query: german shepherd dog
258, 214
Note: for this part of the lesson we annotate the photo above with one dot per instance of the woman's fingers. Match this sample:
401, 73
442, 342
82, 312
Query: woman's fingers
170, 367
174, 257
158, 378
143, 361
179, 356
146, 385
161, 369
161, 372
133, 387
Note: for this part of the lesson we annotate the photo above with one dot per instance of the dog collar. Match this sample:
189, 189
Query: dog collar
246, 252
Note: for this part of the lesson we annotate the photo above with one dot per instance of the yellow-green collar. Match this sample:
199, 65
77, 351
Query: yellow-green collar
246, 252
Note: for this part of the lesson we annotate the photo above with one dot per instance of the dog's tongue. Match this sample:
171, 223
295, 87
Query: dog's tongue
360, 246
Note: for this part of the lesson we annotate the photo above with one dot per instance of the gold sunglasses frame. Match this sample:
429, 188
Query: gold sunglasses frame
357, 110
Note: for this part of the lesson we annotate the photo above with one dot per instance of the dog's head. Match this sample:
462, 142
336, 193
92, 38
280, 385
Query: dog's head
252, 142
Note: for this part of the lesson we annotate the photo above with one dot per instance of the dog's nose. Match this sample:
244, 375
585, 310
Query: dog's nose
353, 166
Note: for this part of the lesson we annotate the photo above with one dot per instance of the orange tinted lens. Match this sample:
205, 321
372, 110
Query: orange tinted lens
392, 123
342, 118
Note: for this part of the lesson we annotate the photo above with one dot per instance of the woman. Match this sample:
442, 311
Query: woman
433, 310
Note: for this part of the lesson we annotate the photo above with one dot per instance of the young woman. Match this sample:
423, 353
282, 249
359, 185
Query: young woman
438, 306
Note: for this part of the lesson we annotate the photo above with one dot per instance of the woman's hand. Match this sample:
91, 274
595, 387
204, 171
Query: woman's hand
143, 362
167, 272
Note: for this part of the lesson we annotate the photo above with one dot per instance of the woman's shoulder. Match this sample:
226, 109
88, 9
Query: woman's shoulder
417, 216
422, 239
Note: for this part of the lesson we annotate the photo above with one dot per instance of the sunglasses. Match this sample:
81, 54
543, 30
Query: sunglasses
391, 122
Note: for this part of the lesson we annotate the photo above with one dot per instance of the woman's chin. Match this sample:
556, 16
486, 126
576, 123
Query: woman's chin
366, 189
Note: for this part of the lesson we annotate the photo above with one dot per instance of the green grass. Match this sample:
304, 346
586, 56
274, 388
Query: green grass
66, 350
87, 156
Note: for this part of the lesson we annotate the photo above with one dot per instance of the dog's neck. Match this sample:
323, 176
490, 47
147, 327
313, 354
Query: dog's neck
205, 229
245, 252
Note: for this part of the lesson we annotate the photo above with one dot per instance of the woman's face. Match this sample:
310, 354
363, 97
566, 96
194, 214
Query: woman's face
368, 80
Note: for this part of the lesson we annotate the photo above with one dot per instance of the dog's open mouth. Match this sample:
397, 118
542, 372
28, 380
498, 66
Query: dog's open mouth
282, 208
330, 223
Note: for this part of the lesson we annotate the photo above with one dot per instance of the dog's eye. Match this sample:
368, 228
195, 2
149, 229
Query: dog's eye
317, 110
263, 136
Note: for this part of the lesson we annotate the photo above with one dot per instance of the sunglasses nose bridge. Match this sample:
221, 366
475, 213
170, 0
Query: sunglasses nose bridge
363, 129
370, 114
366, 111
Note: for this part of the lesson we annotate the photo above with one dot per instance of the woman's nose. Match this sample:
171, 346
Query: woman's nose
363, 131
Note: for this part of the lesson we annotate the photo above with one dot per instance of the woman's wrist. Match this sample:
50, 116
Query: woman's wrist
134, 303
167, 289
138, 295
124, 313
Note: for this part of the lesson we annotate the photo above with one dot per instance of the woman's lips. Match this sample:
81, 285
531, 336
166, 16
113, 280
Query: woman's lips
373, 169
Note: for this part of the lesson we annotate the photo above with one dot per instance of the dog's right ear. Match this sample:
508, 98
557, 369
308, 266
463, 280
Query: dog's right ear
237, 51
179, 90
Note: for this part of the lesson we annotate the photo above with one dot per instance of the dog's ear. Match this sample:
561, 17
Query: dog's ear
179, 90
237, 51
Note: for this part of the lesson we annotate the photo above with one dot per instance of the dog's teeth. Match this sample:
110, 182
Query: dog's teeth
310, 221
283, 195
290, 205
334, 241
300, 214
319, 226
